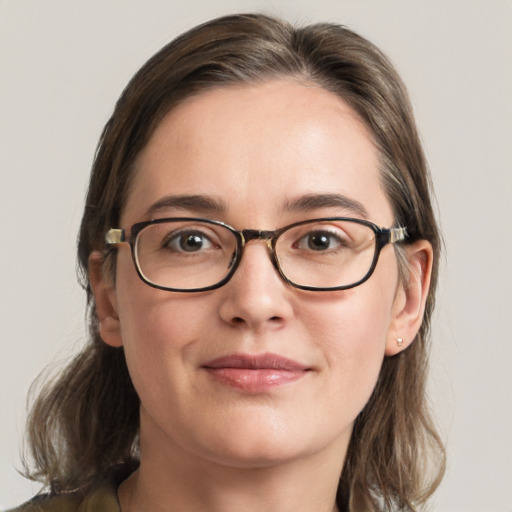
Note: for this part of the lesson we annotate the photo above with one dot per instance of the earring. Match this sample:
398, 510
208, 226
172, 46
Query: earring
399, 341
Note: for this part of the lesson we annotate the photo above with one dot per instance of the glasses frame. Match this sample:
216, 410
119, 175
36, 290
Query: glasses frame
383, 236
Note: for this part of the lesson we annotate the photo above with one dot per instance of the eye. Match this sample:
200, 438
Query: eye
321, 241
187, 241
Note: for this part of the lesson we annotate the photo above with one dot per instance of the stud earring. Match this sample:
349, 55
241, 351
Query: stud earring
399, 341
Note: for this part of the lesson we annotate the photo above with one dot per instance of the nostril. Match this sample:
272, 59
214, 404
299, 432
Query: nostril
238, 320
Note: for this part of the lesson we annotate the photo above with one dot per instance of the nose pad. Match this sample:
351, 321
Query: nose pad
232, 261
256, 295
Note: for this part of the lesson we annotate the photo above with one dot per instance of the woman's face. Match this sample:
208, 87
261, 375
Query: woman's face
253, 152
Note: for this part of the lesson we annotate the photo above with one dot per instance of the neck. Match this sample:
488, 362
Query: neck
171, 479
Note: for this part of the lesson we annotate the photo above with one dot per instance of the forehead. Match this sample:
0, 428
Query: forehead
257, 148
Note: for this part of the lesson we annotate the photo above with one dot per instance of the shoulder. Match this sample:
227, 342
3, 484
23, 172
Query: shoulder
103, 499
45, 503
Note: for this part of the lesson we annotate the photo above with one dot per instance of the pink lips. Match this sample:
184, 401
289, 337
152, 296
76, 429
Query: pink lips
255, 373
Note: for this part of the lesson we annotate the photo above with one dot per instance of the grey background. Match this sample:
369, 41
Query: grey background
63, 65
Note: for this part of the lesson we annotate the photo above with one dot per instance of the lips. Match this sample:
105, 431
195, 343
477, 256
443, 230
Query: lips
255, 373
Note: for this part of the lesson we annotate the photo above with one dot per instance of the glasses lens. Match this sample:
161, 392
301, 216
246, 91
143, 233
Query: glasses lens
185, 255
326, 254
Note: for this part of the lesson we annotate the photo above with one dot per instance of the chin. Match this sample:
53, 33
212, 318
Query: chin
262, 456
266, 446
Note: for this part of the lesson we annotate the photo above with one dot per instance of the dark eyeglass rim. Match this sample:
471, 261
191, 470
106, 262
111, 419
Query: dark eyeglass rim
383, 236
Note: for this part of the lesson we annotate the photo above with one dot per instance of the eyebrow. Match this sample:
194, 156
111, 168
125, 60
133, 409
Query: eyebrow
209, 204
311, 202
195, 203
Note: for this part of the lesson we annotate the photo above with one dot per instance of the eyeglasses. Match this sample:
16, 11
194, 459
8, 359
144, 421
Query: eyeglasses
193, 255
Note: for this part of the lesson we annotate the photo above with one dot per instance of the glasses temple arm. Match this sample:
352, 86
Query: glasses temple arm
397, 234
114, 236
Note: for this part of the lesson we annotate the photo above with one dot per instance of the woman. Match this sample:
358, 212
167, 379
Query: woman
260, 256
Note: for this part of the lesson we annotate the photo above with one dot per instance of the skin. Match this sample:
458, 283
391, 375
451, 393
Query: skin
208, 446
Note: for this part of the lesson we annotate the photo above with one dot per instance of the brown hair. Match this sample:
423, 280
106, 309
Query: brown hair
86, 422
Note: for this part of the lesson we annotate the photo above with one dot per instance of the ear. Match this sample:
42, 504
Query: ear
105, 299
410, 299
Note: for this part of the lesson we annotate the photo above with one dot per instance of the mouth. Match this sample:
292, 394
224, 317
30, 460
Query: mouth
255, 373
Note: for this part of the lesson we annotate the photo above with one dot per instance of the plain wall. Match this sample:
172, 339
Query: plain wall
63, 65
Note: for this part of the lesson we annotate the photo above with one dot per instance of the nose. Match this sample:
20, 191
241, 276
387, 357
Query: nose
256, 297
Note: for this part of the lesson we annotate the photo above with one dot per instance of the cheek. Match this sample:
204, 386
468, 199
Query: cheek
153, 329
159, 339
352, 332
150, 316
355, 346
157, 329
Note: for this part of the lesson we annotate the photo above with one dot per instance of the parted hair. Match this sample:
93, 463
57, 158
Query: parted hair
84, 423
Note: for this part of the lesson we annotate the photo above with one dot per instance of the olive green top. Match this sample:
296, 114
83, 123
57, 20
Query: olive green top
103, 499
